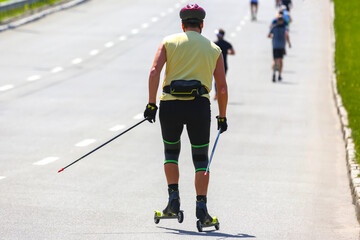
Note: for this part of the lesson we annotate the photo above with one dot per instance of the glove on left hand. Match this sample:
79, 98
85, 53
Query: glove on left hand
222, 124
150, 112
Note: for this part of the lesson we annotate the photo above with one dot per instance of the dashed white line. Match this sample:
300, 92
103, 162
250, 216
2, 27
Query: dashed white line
33, 78
247, 18
154, 19
233, 34
2, 177
163, 14
135, 31
139, 116
170, 10
117, 128
177, 5
76, 61
242, 22
45, 161
145, 25
238, 28
109, 44
56, 69
94, 52
6, 87
85, 142
122, 38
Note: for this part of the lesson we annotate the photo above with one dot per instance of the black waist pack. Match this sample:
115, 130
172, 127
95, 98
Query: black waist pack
185, 88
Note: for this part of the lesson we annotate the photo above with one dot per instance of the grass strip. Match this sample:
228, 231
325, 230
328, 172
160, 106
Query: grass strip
24, 9
347, 33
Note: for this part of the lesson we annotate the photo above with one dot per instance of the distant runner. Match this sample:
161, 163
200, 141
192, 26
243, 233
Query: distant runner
226, 49
280, 35
254, 9
287, 3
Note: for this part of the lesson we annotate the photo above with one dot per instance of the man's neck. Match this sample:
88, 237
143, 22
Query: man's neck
195, 29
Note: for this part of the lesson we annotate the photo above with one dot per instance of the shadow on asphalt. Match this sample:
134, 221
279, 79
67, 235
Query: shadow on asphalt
287, 83
289, 71
210, 233
235, 103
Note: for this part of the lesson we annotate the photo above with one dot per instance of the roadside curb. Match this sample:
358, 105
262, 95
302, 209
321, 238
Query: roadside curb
41, 14
352, 166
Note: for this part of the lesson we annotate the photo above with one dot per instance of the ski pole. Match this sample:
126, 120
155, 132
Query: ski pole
212, 152
103, 145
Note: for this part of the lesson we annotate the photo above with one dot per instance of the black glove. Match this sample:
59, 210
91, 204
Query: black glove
222, 124
150, 112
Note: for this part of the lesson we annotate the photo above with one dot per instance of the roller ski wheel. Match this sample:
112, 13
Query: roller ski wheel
179, 216
214, 223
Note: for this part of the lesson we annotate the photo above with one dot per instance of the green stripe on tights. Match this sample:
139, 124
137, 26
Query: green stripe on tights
200, 169
199, 146
171, 161
171, 142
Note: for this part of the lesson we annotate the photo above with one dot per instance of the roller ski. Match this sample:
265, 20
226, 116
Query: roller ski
172, 210
204, 219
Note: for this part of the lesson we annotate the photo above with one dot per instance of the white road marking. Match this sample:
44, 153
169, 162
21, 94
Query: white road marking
247, 18
145, 25
33, 78
94, 52
57, 69
6, 87
170, 10
45, 161
76, 61
109, 44
177, 5
154, 19
85, 142
233, 34
2, 177
122, 38
242, 22
238, 28
139, 116
163, 14
135, 31
117, 128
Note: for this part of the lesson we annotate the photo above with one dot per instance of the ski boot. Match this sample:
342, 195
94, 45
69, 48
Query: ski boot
205, 220
172, 210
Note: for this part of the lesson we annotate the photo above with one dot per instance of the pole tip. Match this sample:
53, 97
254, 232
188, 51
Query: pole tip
61, 170
205, 173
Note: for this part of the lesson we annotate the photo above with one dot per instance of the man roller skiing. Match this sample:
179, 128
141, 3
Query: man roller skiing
191, 62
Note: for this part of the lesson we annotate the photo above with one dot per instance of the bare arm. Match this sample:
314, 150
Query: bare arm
231, 51
154, 78
222, 93
287, 37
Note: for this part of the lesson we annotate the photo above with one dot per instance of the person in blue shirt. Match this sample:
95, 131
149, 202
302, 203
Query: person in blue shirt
280, 35
254, 9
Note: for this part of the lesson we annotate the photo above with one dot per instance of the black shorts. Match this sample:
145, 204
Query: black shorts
253, 3
278, 53
287, 5
195, 114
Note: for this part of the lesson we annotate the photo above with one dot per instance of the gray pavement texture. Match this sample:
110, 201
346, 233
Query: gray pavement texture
279, 172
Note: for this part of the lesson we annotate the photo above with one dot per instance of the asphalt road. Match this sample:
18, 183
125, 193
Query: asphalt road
75, 79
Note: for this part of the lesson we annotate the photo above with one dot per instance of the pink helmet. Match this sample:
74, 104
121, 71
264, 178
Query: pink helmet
192, 11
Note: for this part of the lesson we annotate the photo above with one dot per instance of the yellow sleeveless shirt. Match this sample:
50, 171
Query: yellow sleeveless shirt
190, 56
